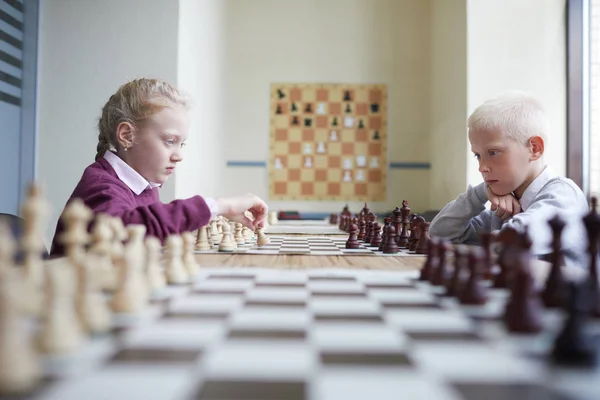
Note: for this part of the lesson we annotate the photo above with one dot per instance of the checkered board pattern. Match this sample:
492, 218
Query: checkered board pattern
310, 246
328, 142
303, 227
316, 335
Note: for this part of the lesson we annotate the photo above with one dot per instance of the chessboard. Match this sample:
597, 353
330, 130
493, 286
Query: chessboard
304, 227
328, 142
309, 246
315, 335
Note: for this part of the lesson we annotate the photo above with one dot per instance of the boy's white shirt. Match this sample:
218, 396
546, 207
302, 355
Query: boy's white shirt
465, 218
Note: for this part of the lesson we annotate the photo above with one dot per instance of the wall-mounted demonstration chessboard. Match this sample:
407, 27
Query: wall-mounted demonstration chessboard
328, 142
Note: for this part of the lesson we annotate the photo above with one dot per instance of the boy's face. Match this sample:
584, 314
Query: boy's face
505, 164
158, 145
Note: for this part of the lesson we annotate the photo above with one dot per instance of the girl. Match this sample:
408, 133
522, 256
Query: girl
143, 128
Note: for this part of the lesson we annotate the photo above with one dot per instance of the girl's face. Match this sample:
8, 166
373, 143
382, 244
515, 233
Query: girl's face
158, 144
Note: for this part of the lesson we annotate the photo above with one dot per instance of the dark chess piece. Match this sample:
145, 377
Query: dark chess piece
423, 238
390, 246
376, 135
352, 242
374, 108
431, 261
488, 263
455, 283
397, 221
554, 293
592, 226
334, 122
278, 111
294, 107
573, 346
348, 110
361, 124
440, 274
280, 93
361, 229
347, 96
474, 293
508, 237
295, 120
308, 108
307, 122
333, 219
404, 223
342, 221
415, 232
524, 308
365, 210
376, 235
386, 224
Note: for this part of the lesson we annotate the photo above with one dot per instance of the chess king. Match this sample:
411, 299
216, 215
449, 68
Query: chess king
508, 134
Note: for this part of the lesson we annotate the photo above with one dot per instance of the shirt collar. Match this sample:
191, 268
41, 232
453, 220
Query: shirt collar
128, 175
534, 187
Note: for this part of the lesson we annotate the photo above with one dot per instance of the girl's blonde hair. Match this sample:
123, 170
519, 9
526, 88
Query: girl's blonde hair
135, 102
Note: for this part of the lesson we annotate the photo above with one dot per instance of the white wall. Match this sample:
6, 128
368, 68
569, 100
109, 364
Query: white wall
520, 44
449, 77
361, 41
200, 75
87, 50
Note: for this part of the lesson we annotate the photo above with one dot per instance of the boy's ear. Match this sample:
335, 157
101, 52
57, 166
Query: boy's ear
125, 134
536, 147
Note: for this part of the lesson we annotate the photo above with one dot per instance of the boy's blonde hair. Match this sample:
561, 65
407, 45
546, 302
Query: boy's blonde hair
515, 113
134, 102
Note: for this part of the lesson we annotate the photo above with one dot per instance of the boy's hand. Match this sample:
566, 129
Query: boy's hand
505, 206
234, 209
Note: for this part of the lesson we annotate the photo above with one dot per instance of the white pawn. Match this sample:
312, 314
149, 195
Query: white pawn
35, 210
61, 331
188, 253
102, 236
203, 244
20, 365
132, 294
262, 239
154, 272
227, 244
239, 237
272, 219
215, 236
176, 273
92, 308
232, 232
248, 234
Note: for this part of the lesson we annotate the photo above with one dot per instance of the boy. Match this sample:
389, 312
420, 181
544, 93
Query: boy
507, 136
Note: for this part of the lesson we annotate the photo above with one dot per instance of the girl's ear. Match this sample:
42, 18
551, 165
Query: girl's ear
125, 135
536, 147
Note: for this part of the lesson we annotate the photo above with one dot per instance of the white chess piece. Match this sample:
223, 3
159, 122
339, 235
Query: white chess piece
248, 234
374, 162
35, 210
307, 148
272, 218
61, 331
360, 175
91, 306
347, 177
176, 272
154, 272
188, 253
347, 163
239, 237
215, 236
262, 239
102, 237
361, 161
227, 244
203, 244
20, 365
320, 108
348, 122
308, 162
333, 137
321, 147
278, 164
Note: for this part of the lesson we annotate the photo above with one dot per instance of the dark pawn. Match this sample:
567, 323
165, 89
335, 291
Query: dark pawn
423, 238
592, 226
352, 242
488, 264
474, 292
386, 223
454, 284
430, 261
415, 232
390, 246
361, 229
572, 346
524, 309
376, 236
440, 274
553, 294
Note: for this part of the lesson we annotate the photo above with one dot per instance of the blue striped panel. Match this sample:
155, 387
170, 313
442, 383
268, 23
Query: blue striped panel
11, 50
16, 14
10, 89
11, 30
11, 69
246, 163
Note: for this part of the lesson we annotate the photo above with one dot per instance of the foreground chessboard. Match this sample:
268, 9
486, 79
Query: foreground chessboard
315, 335
309, 245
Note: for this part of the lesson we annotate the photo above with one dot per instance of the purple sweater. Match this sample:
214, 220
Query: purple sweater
103, 192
